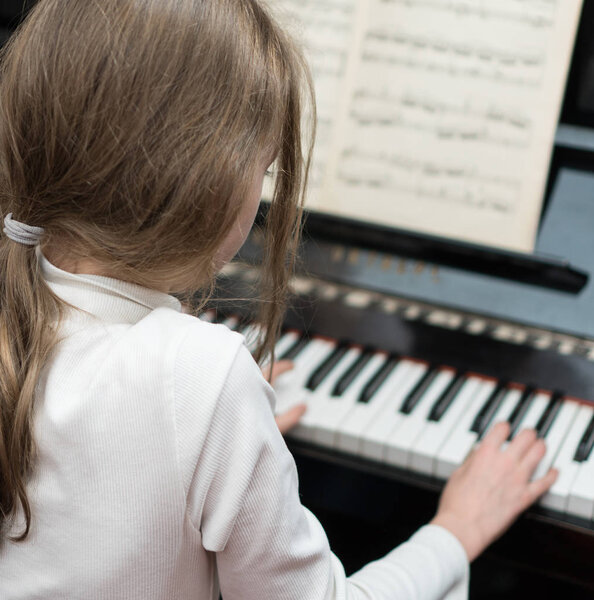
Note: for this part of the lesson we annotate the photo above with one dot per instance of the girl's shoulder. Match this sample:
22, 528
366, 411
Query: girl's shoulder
177, 333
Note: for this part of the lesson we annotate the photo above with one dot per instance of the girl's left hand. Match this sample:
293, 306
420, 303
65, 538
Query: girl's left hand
289, 419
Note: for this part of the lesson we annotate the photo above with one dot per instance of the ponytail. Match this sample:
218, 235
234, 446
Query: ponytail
28, 312
142, 166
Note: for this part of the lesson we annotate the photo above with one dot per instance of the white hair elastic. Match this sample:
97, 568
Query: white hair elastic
21, 232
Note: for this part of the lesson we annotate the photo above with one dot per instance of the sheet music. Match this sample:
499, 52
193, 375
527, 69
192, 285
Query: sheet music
326, 30
438, 115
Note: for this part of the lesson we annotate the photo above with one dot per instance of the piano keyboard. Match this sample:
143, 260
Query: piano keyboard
426, 418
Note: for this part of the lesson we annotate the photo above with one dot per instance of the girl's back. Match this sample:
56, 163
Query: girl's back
117, 447
132, 132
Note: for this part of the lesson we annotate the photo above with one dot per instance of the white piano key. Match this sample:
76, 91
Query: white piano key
558, 495
358, 299
556, 435
230, 269
566, 347
412, 312
301, 285
477, 326
285, 342
509, 333
402, 439
543, 342
231, 322
317, 400
426, 447
506, 408
250, 334
537, 407
290, 386
452, 454
373, 440
581, 496
207, 316
390, 306
531, 417
445, 319
328, 291
360, 418
333, 412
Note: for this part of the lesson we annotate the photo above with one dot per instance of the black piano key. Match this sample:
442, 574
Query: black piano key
585, 446
327, 365
549, 415
293, 350
487, 412
447, 397
409, 403
520, 410
378, 379
351, 373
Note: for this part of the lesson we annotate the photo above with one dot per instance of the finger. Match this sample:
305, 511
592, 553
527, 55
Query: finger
282, 366
289, 419
538, 487
278, 368
533, 456
497, 435
521, 443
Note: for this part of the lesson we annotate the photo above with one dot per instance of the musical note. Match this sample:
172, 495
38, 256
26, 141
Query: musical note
536, 13
464, 119
451, 182
454, 58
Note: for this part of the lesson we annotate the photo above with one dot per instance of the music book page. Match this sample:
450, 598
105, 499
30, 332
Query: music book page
436, 115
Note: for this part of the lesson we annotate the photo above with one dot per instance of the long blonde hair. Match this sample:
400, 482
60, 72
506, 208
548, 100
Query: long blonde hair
130, 130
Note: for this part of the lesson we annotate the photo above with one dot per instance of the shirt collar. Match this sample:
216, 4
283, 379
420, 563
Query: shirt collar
110, 300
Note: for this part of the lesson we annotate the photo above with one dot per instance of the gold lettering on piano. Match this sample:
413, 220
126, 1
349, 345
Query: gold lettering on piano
353, 256
337, 254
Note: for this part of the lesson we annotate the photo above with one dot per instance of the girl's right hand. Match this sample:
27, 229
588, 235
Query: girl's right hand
487, 493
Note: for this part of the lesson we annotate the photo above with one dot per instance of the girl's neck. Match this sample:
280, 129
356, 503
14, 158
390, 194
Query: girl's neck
86, 266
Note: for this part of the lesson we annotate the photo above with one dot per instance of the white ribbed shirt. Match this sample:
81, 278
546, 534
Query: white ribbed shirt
161, 473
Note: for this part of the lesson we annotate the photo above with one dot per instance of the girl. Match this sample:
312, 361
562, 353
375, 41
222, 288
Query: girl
139, 456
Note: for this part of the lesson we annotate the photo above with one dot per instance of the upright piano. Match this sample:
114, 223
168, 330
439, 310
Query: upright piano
408, 348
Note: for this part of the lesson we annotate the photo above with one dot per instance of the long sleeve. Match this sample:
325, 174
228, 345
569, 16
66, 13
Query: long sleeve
244, 500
